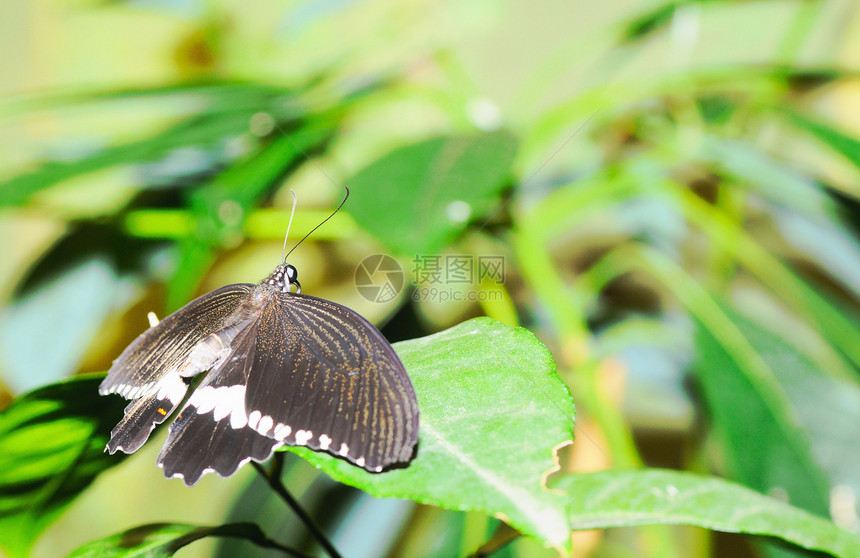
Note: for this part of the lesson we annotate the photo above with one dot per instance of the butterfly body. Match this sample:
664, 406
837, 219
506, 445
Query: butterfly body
283, 368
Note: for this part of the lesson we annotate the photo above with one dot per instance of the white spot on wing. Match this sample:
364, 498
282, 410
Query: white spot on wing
203, 399
265, 425
254, 419
344, 449
302, 437
229, 400
325, 442
360, 462
171, 387
223, 402
282, 431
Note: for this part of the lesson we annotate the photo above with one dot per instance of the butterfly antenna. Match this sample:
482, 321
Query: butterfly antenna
289, 224
346, 197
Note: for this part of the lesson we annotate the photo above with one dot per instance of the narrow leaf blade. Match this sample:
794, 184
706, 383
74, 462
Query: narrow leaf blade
162, 540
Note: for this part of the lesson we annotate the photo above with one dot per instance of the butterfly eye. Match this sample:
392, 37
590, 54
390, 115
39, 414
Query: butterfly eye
293, 278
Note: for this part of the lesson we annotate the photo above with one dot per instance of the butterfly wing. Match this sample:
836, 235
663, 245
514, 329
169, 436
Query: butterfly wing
210, 433
152, 369
325, 378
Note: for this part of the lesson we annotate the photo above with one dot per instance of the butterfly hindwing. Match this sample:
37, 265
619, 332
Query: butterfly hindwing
211, 433
152, 370
325, 378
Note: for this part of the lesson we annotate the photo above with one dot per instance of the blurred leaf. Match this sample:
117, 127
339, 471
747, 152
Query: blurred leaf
205, 130
827, 407
194, 258
768, 177
847, 146
763, 448
160, 540
493, 411
434, 532
647, 497
655, 20
762, 443
834, 323
227, 111
222, 206
44, 335
52, 444
826, 241
221, 95
716, 109
418, 198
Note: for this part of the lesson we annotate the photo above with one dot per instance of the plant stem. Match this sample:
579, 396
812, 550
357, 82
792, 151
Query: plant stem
503, 536
273, 477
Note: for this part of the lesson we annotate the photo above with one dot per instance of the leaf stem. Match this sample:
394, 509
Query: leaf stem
273, 478
502, 536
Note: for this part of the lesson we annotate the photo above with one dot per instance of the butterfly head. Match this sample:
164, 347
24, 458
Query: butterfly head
283, 278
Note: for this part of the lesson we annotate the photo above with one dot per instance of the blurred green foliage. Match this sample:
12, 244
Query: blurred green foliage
673, 187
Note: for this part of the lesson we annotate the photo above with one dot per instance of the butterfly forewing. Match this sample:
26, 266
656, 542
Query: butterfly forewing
166, 346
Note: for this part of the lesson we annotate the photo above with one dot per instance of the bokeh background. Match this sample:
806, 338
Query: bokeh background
675, 196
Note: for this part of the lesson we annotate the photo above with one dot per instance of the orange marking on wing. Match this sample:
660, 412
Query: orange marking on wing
162, 411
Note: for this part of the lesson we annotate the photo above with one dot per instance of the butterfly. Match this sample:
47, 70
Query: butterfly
284, 368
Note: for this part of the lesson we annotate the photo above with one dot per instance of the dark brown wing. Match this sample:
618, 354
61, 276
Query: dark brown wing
152, 369
166, 346
325, 378
211, 434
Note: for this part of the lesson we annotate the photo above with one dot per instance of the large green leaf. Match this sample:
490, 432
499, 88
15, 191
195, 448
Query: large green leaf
764, 446
52, 444
643, 497
827, 408
493, 410
161, 540
418, 198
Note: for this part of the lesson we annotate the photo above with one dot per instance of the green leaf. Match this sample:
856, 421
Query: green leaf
413, 199
493, 411
52, 444
196, 131
222, 205
842, 143
764, 446
158, 540
647, 497
229, 108
827, 408
651, 22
